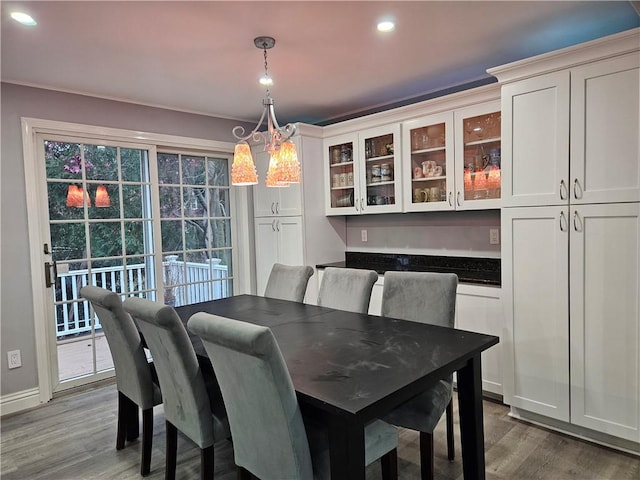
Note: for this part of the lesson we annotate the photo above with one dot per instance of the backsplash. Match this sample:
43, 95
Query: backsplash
464, 233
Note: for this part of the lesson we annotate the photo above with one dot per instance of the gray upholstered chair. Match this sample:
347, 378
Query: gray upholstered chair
288, 282
270, 440
134, 375
347, 289
187, 405
427, 298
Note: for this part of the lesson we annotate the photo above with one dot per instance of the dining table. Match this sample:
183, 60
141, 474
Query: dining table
353, 368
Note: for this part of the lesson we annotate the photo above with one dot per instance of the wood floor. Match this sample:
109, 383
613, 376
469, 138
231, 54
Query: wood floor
73, 437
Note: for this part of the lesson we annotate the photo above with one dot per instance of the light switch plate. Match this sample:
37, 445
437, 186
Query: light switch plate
494, 236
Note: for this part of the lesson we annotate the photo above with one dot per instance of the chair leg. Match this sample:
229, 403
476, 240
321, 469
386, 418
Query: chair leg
450, 449
426, 456
172, 451
389, 464
147, 439
132, 419
121, 435
206, 463
244, 474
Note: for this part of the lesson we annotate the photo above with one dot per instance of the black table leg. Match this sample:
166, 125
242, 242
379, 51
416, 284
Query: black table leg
346, 448
471, 420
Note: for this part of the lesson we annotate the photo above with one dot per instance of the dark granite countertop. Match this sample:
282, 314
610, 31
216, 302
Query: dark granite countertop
482, 271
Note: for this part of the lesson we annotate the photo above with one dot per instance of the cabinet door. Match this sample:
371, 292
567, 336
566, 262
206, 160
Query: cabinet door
379, 166
535, 265
266, 250
290, 240
605, 126
605, 318
479, 309
535, 141
477, 157
428, 163
342, 195
274, 201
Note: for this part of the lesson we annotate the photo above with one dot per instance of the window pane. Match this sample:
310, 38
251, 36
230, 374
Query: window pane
101, 162
58, 209
221, 233
105, 239
138, 274
68, 241
171, 231
218, 172
219, 205
195, 233
168, 168
194, 202
170, 202
193, 172
131, 161
136, 236
105, 201
63, 160
132, 202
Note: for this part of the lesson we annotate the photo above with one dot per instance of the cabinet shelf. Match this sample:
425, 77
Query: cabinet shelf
341, 164
423, 151
429, 179
380, 184
482, 142
346, 187
377, 159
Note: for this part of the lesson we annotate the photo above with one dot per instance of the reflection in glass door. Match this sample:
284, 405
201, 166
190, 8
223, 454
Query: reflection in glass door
101, 234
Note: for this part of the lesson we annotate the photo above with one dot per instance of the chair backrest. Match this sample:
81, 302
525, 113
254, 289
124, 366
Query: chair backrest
133, 373
424, 297
347, 289
269, 438
288, 282
185, 398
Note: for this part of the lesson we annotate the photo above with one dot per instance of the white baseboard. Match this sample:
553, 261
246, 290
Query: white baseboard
19, 401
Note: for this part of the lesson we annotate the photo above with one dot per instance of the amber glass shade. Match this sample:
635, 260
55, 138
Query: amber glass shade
75, 196
284, 167
102, 197
243, 170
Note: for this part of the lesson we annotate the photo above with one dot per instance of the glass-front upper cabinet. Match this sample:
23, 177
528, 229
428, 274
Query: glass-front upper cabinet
478, 169
380, 175
360, 172
341, 175
428, 163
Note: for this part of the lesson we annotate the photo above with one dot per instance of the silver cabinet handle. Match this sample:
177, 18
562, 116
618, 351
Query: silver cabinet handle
278, 225
273, 225
563, 190
458, 199
450, 203
361, 204
355, 204
563, 222
575, 221
277, 207
576, 187
272, 208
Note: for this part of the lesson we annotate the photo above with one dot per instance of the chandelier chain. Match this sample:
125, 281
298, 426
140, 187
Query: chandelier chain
266, 70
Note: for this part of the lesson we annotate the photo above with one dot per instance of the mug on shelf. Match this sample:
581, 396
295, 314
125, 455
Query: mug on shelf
417, 172
343, 179
336, 180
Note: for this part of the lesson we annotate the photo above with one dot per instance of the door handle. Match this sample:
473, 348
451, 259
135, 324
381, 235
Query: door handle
277, 207
563, 222
577, 223
47, 273
272, 208
278, 225
563, 190
450, 203
458, 199
577, 190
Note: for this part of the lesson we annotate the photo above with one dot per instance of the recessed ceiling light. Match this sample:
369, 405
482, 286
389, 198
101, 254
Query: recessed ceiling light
23, 18
386, 26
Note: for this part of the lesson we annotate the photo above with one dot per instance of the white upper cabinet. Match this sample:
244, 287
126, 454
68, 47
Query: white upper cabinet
274, 201
535, 141
595, 108
362, 172
605, 121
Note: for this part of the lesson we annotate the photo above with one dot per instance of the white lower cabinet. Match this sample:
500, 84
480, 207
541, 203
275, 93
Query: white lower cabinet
571, 293
278, 240
479, 309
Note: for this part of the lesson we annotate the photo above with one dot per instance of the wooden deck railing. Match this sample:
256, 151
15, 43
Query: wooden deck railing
185, 283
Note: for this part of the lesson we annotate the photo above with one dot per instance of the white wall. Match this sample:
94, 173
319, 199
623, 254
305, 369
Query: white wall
16, 311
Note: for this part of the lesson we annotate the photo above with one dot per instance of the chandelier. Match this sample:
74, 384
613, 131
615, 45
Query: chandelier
284, 167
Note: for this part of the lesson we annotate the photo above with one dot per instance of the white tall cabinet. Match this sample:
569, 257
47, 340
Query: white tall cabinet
289, 223
571, 237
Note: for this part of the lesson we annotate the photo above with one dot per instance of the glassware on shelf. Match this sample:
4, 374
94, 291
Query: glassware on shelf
480, 184
468, 181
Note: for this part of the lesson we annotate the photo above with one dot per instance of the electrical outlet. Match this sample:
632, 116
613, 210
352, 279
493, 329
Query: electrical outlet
363, 235
14, 359
494, 236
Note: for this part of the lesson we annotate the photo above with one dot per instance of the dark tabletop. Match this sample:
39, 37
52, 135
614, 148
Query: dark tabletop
348, 362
